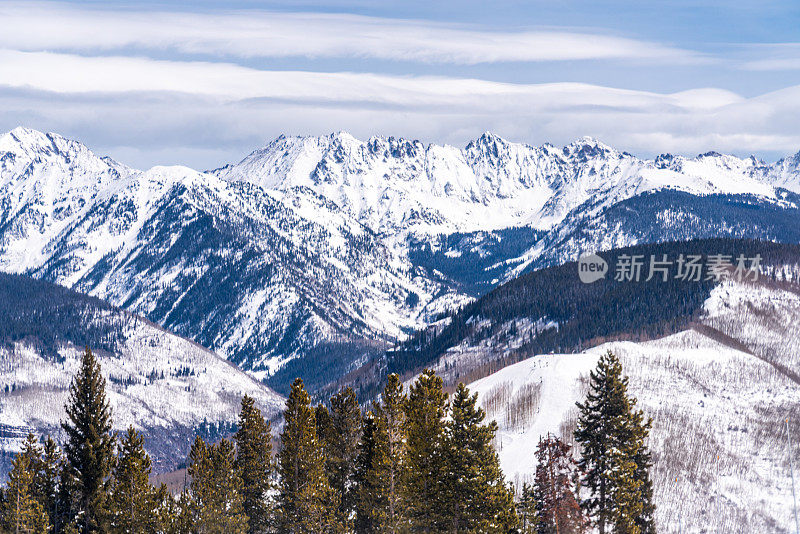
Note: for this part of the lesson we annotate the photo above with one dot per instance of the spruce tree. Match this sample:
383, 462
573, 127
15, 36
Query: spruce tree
255, 466
217, 504
527, 511
133, 503
558, 510
89, 448
477, 498
425, 490
306, 498
342, 449
614, 460
49, 481
22, 513
381, 463
369, 497
391, 438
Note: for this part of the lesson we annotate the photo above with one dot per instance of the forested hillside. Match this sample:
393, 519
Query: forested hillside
170, 388
559, 313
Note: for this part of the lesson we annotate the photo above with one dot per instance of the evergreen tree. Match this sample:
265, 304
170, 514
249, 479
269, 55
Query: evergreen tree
133, 503
425, 490
557, 507
306, 498
477, 498
22, 513
217, 504
341, 446
177, 517
369, 497
48, 482
381, 463
391, 440
615, 461
644, 461
89, 448
254, 465
167, 511
527, 512
67, 504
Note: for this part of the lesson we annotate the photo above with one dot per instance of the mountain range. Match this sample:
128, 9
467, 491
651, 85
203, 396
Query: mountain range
330, 247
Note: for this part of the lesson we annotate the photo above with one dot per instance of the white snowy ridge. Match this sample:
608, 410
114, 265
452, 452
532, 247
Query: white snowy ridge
308, 235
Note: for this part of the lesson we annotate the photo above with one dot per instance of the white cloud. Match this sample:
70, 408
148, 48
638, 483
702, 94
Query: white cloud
66, 73
251, 34
204, 114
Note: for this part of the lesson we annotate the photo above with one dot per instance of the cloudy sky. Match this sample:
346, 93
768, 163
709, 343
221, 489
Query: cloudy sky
162, 83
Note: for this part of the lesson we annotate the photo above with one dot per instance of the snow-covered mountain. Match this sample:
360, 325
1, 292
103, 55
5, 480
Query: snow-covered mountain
720, 394
165, 385
317, 241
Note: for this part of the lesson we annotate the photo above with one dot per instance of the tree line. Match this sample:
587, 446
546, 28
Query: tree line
414, 461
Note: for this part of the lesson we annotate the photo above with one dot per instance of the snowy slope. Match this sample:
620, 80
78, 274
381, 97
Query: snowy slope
394, 185
718, 400
163, 384
256, 277
307, 242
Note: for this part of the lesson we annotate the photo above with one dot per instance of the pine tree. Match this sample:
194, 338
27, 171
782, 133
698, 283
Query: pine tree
424, 487
167, 511
615, 461
67, 505
89, 449
634, 489
381, 464
217, 503
558, 510
133, 503
391, 418
477, 498
341, 447
22, 513
255, 466
306, 498
527, 511
48, 482
369, 497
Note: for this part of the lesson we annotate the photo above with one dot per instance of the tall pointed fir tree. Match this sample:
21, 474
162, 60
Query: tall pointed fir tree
558, 510
369, 497
477, 498
612, 438
341, 448
427, 461
45, 463
391, 429
326, 437
381, 463
89, 448
306, 502
255, 466
217, 504
22, 512
133, 501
